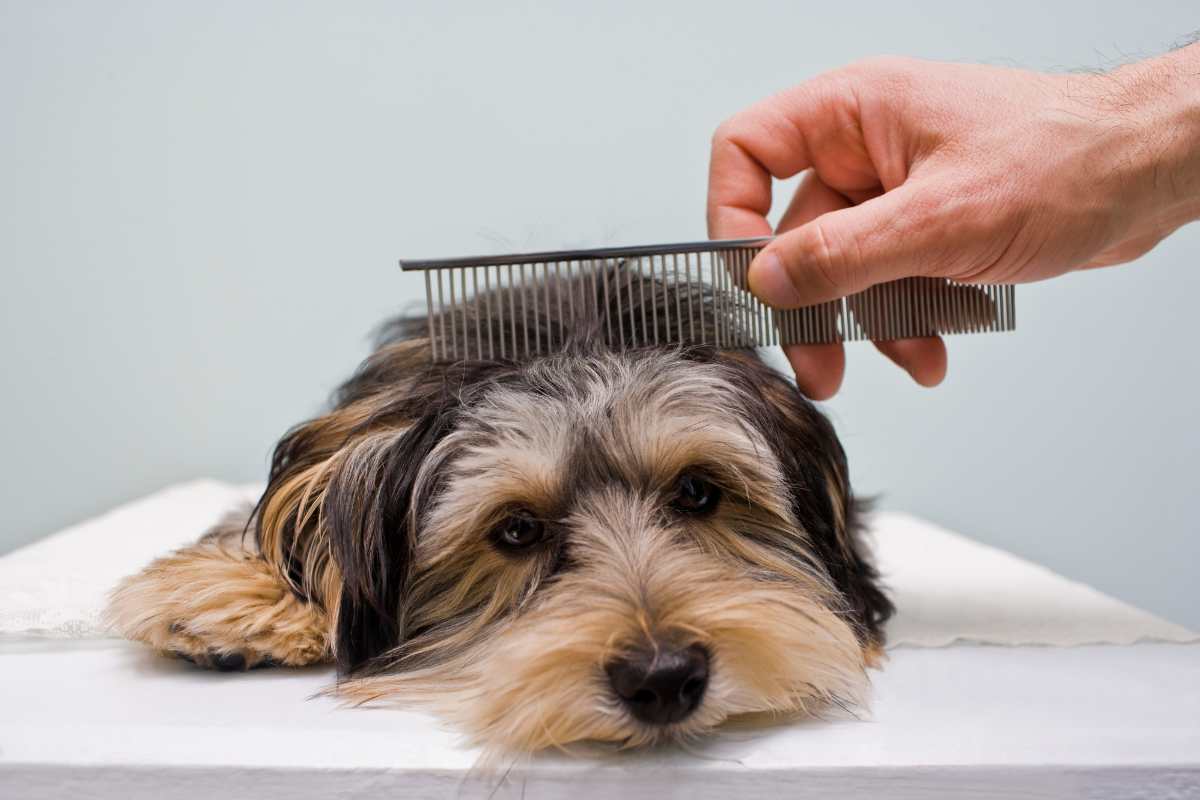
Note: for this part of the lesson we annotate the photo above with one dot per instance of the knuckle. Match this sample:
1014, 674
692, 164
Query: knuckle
891, 76
924, 209
720, 133
726, 132
883, 64
965, 229
825, 258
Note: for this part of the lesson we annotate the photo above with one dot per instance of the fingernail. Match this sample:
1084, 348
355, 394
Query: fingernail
771, 282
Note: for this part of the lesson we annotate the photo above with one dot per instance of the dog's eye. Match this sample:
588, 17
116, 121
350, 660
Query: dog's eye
694, 495
520, 531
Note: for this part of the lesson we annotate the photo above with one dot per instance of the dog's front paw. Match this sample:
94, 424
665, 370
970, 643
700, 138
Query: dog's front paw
198, 650
221, 608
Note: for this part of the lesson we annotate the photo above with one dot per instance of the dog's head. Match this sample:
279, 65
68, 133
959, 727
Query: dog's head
610, 545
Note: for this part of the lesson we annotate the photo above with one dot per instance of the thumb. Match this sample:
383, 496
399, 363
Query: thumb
846, 251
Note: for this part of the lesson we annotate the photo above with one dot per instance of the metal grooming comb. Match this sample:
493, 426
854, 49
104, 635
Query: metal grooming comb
515, 306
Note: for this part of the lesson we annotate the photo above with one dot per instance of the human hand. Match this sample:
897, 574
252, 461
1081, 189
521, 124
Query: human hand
975, 173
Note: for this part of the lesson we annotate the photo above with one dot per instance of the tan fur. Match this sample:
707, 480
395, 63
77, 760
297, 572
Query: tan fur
540, 683
537, 681
512, 649
216, 599
874, 655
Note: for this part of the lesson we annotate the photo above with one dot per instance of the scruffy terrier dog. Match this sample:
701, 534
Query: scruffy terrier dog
607, 543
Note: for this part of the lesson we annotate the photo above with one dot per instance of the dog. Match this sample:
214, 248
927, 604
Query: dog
603, 543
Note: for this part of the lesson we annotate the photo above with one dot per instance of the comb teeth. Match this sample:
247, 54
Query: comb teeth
512, 307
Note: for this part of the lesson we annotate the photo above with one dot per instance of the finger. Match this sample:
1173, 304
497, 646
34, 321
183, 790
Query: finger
819, 368
820, 372
847, 251
773, 138
924, 359
739, 192
813, 197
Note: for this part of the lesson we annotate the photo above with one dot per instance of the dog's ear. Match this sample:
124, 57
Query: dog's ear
393, 385
815, 467
370, 510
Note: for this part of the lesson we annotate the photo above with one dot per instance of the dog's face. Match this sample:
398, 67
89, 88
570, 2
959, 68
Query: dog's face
626, 547
611, 543
619, 543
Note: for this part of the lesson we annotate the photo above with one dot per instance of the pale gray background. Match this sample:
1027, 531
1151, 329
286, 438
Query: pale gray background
201, 206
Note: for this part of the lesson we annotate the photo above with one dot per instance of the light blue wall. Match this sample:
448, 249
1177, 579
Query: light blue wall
201, 206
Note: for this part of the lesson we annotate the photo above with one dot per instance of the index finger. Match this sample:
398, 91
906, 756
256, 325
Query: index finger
770, 139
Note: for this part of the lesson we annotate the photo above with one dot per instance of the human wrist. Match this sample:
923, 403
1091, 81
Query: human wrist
1161, 98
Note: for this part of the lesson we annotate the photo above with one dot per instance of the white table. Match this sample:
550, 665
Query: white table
97, 717
107, 719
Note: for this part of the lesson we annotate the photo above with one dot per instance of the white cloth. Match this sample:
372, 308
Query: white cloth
58, 586
946, 587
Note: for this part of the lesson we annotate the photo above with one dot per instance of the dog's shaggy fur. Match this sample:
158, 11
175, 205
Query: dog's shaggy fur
607, 543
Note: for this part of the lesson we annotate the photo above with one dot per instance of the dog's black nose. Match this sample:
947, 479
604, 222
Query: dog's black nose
662, 685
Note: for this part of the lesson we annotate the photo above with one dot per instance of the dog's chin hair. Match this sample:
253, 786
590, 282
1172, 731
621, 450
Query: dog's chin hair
530, 687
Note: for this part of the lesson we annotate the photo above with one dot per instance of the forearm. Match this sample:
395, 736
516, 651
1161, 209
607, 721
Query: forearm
1163, 94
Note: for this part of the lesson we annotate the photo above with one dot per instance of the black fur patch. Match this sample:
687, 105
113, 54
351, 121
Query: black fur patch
370, 520
807, 447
